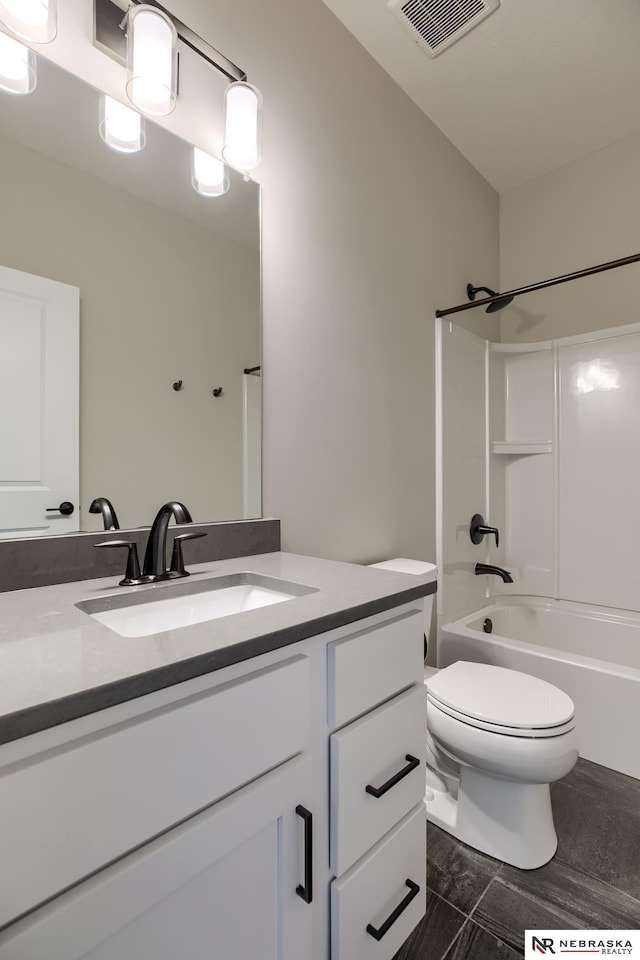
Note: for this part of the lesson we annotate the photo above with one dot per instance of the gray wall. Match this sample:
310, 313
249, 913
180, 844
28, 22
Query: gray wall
161, 298
371, 220
581, 215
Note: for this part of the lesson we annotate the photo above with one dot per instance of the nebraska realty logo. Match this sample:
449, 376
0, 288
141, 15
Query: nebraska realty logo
605, 943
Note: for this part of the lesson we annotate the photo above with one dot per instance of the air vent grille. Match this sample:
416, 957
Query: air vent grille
436, 24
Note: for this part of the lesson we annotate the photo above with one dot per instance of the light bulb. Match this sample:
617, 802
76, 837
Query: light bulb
243, 126
34, 20
121, 128
17, 66
151, 61
209, 174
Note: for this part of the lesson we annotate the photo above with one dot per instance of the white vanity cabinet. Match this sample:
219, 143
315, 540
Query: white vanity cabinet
228, 816
377, 777
186, 810
222, 884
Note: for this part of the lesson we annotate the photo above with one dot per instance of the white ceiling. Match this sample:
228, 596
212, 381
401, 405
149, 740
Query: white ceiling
536, 85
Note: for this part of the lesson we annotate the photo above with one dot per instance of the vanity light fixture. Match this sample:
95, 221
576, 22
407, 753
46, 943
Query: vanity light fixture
150, 56
152, 60
209, 174
33, 20
243, 126
121, 128
17, 66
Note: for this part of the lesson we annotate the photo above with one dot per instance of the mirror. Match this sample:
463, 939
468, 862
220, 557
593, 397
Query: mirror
169, 287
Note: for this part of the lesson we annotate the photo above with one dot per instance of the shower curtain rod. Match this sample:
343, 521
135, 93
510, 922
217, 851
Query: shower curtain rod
610, 265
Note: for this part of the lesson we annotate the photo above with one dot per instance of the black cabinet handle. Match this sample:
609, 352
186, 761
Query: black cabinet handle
306, 891
378, 932
66, 508
377, 792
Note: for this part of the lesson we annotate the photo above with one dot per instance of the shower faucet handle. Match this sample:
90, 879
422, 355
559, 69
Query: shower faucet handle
478, 530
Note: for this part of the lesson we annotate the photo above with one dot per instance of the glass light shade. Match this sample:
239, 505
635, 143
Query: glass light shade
152, 61
34, 20
209, 174
17, 66
121, 128
243, 126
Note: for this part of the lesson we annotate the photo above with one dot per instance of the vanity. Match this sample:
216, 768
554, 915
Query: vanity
248, 786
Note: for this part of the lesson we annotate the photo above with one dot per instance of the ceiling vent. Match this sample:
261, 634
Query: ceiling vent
436, 24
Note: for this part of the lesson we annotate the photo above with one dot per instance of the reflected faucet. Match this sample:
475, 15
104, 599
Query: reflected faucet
481, 568
105, 507
155, 559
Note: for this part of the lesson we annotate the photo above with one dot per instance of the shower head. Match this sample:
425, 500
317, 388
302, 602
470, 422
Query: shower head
493, 307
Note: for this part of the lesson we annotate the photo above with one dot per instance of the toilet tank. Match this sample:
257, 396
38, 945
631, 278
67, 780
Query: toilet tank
419, 568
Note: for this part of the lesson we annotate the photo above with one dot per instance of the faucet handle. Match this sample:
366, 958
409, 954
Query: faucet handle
132, 573
478, 529
177, 561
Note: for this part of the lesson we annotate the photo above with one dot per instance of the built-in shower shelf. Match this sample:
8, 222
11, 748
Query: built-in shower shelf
521, 448
511, 349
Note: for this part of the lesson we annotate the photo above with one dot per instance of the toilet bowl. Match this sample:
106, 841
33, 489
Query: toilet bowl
496, 739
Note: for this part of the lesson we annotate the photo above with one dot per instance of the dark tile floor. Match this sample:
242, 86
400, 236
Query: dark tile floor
479, 908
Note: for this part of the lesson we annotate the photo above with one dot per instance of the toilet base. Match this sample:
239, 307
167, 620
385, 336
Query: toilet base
512, 822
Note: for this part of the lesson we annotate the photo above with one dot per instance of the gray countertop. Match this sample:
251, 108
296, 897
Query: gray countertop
58, 663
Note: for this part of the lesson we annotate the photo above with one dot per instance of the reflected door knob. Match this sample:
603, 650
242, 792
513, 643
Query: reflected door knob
66, 508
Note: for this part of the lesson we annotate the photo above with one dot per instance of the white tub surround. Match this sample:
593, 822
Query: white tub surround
553, 464
538, 437
591, 653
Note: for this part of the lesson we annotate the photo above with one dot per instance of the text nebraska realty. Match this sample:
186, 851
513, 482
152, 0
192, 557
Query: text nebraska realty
605, 947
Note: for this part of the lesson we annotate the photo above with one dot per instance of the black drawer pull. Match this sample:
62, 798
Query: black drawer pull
376, 792
378, 933
306, 891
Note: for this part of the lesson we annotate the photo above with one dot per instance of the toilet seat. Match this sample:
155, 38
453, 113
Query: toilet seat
503, 729
501, 701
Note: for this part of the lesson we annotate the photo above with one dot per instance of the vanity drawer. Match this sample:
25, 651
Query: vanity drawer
375, 888
369, 667
378, 752
68, 812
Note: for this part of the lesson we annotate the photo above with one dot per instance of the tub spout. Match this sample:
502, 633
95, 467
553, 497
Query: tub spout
481, 568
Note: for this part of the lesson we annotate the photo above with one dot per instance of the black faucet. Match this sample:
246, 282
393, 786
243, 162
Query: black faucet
155, 559
481, 568
105, 507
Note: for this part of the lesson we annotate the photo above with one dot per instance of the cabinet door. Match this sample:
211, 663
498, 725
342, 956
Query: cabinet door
221, 886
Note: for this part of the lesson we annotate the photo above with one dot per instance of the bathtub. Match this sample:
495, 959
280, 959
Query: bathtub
591, 654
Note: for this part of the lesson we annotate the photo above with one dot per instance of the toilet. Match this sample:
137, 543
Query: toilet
496, 740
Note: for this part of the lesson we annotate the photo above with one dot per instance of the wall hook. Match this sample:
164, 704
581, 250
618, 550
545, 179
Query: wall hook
217, 391
177, 385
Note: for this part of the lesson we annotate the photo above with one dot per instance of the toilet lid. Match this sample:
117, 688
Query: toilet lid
494, 695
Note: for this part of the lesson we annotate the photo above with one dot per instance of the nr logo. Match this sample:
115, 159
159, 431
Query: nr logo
542, 945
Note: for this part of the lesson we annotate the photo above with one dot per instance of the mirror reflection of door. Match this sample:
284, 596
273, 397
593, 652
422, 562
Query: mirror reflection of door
39, 409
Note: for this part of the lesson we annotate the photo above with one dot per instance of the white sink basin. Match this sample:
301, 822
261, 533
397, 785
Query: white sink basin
181, 605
